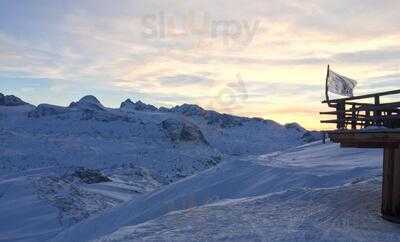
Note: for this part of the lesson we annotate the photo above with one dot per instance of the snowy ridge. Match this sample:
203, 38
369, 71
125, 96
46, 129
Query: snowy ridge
11, 100
128, 105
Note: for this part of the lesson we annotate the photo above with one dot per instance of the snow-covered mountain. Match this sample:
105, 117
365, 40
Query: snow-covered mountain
62, 165
10, 100
88, 134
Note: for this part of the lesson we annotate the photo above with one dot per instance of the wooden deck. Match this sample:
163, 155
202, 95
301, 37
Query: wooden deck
354, 122
351, 114
366, 138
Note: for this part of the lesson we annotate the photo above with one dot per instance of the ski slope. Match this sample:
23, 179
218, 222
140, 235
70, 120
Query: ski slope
313, 192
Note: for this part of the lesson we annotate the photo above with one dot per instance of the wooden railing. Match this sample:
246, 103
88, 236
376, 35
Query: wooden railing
355, 115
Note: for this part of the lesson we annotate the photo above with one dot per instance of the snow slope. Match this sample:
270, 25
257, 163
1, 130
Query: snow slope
348, 213
25, 217
36, 204
139, 147
312, 192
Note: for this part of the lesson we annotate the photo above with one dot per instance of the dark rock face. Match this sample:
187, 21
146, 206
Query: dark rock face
164, 109
224, 120
90, 176
10, 100
189, 110
138, 106
182, 131
295, 126
212, 117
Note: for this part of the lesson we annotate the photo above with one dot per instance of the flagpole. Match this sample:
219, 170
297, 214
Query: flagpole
326, 88
326, 85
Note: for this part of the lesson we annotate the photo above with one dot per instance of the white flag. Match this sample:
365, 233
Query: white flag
340, 84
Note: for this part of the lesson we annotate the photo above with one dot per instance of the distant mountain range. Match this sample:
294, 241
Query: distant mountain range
172, 143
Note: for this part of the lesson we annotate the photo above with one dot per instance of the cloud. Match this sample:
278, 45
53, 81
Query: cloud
389, 54
380, 83
185, 80
99, 47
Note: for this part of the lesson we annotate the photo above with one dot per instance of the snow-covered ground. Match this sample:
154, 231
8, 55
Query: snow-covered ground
140, 173
315, 192
59, 166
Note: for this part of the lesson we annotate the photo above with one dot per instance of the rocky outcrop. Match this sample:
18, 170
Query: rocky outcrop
212, 117
90, 176
137, 106
10, 100
179, 130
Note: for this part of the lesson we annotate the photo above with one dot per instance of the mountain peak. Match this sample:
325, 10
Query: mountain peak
11, 100
295, 126
189, 109
90, 99
128, 104
88, 102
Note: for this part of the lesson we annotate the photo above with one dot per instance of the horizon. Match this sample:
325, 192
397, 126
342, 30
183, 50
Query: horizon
259, 59
137, 100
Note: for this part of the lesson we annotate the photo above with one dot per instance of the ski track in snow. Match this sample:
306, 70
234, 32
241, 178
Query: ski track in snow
345, 214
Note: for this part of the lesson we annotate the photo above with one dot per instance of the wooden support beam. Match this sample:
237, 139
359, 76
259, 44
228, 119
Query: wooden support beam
334, 112
380, 107
389, 140
329, 113
353, 117
341, 108
359, 104
391, 184
335, 121
364, 96
377, 113
370, 145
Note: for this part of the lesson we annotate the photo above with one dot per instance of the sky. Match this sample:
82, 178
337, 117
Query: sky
259, 58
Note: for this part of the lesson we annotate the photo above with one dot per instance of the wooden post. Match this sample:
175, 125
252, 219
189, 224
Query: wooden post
377, 114
391, 184
340, 108
353, 117
367, 116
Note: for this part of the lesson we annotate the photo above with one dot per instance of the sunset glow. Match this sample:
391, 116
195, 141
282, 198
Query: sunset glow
261, 58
